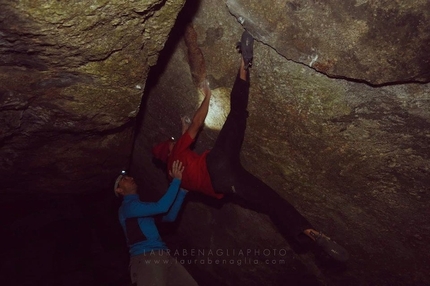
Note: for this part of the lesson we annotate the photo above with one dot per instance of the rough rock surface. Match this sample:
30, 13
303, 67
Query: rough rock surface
72, 76
343, 136
376, 42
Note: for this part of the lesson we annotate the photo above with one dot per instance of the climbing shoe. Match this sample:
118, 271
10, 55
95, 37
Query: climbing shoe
245, 47
330, 247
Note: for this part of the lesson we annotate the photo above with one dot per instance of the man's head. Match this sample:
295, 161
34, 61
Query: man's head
125, 185
162, 150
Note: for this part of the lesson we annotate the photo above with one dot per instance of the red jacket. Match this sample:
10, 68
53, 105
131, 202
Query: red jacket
195, 176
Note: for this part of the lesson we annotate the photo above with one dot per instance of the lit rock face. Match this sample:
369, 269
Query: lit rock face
352, 153
72, 74
376, 42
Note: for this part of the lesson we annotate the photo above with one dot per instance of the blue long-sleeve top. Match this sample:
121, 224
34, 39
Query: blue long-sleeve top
137, 218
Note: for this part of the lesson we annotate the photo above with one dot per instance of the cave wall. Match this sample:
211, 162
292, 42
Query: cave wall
345, 141
72, 76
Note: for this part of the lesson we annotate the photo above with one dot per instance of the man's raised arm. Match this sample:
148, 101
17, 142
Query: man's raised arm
201, 112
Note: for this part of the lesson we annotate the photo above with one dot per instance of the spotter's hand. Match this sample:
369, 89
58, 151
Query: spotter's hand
177, 169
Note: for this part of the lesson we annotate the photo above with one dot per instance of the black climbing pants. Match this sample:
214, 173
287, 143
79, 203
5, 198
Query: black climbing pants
229, 177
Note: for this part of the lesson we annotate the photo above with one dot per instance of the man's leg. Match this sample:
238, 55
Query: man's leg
260, 197
178, 275
148, 270
231, 136
225, 154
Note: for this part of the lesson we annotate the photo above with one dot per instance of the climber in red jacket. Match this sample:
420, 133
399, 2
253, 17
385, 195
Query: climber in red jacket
218, 171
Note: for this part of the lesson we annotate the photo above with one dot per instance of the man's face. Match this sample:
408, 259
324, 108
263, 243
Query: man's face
127, 185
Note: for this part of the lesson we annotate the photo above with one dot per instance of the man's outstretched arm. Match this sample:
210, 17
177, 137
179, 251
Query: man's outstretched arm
201, 112
173, 212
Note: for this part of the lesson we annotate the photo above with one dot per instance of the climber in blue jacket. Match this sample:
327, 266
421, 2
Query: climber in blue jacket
150, 261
